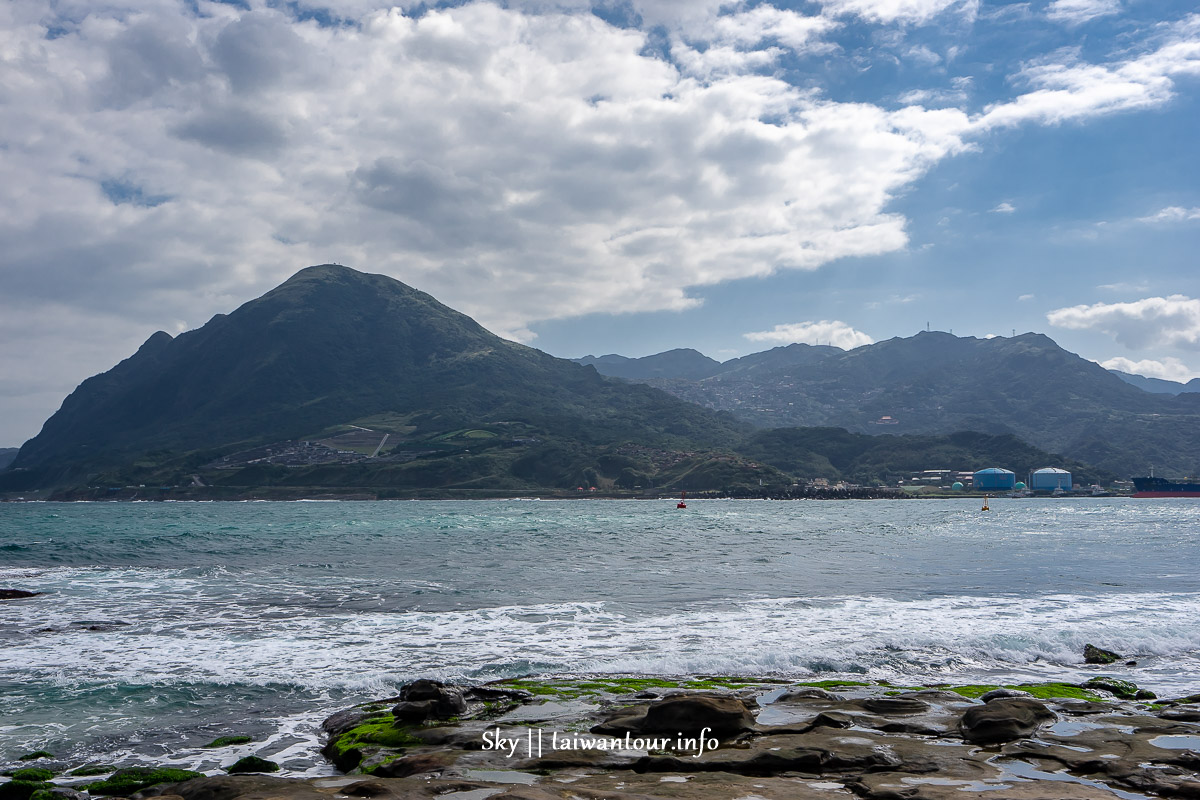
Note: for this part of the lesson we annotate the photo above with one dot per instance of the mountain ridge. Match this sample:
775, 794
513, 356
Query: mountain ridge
937, 383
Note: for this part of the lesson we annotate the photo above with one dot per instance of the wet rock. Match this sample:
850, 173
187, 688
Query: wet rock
1181, 714
1126, 690
809, 693
1097, 655
996, 694
252, 764
690, 714
895, 705
61, 793
425, 699
833, 719
100, 626
1003, 720
365, 789
227, 787
16, 594
125, 782
21, 790
227, 741
403, 766
337, 724
1081, 708
34, 756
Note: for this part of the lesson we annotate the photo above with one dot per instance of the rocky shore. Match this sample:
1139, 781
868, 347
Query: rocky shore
630, 738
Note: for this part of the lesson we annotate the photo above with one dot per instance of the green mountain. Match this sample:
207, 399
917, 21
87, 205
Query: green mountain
7, 454
684, 363
1154, 385
333, 348
936, 383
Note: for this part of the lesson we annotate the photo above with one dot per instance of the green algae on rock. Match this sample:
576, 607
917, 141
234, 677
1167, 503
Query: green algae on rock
125, 782
226, 741
21, 790
31, 774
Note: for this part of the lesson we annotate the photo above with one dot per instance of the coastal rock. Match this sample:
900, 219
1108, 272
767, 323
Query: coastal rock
61, 793
1003, 720
228, 741
252, 764
21, 790
997, 694
895, 705
1181, 714
1096, 655
337, 724
391, 766
125, 782
686, 715
227, 787
809, 693
1126, 690
833, 719
16, 594
425, 699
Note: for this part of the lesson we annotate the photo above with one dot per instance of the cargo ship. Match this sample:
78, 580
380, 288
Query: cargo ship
1161, 487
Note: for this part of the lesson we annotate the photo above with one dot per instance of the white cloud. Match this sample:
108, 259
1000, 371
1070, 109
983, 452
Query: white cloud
1172, 214
903, 11
1169, 369
1158, 322
1026, 297
1075, 12
520, 166
1064, 88
831, 332
1004, 208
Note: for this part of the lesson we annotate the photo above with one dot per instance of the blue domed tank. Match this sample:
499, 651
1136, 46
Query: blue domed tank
994, 479
1048, 479
956, 486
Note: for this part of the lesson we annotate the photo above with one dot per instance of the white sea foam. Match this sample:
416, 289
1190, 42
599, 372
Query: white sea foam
176, 638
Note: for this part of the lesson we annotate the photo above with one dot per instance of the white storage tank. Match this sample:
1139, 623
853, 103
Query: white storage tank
1048, 479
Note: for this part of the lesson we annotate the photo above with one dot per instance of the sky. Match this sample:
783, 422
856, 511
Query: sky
623, 177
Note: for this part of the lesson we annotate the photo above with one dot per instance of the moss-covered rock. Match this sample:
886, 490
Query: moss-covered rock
36, 774
252, 764
1041, 691
21, 790
1126, 690
226, 741
88, 770
35, 755
346, 750
1097, 655
125, 782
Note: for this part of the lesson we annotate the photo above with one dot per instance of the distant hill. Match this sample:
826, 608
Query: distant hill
687, 364
936, 383
1157, 385
7, 454
333, 347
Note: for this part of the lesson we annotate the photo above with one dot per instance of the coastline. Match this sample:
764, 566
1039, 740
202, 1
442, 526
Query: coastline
628, 737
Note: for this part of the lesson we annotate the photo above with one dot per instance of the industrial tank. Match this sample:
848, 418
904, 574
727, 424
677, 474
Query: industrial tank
1048, 479
994, 479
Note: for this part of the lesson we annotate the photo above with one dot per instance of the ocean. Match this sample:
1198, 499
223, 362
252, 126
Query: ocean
164, 625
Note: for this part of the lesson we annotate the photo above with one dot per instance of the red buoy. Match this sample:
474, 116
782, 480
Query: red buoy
682, 497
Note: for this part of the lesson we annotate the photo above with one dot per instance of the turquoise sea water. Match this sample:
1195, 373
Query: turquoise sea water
163, 625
